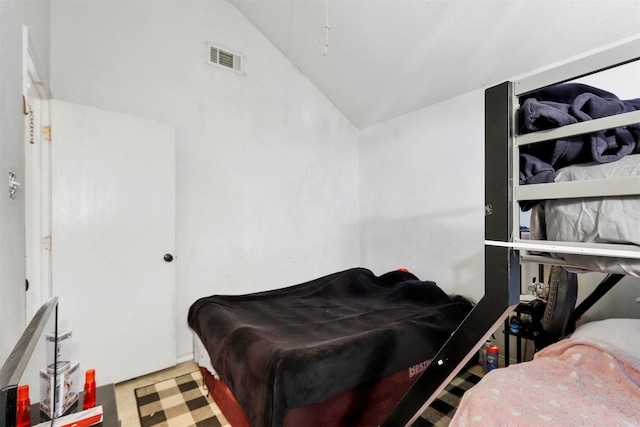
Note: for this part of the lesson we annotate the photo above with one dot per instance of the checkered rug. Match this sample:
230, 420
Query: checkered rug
178, 402
441, 410
183, 402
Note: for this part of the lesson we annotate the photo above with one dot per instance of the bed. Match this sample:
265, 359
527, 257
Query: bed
578, 150
338, 350
610, 139
591, 378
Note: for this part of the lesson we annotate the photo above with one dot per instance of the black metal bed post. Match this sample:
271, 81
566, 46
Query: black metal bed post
502, 269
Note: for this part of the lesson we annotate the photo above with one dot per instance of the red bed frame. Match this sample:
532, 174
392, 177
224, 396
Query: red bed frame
367, 405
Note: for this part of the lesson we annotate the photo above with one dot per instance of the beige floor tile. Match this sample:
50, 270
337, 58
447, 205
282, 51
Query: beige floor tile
126, 399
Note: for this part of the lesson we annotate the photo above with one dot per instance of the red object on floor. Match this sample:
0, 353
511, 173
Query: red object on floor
24, 407
89, 400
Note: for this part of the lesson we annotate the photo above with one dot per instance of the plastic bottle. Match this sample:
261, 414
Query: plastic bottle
24, 407
483, 354
89, 400
492, 357
514, 324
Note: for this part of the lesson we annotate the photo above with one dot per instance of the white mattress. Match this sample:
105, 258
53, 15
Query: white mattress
596, 220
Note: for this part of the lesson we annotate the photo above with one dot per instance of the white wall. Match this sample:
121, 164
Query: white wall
267, 177
422, 194
13, 15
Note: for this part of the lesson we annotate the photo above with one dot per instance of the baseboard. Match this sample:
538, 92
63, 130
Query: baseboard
184, 358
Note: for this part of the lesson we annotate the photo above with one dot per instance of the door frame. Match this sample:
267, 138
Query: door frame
37, 179
113, 219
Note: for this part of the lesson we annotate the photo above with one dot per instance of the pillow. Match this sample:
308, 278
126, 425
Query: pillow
623, 333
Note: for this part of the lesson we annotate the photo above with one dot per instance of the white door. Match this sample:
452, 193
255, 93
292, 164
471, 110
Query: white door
113, 221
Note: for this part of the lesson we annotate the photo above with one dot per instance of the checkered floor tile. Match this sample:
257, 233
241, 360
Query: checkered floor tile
178, 402
183, 402
441, 410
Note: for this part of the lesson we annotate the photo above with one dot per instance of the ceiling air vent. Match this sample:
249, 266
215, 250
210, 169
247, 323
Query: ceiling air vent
225, 58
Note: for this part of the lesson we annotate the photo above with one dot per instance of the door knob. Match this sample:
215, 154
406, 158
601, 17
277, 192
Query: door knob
168, 257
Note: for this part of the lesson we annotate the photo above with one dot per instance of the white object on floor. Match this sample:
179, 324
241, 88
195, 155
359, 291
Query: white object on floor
85, 418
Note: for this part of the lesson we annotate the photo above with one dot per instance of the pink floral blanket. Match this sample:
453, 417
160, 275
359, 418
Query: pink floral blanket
575, 382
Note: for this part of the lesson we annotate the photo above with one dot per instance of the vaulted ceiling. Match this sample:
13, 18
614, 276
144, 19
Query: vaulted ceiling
386, 58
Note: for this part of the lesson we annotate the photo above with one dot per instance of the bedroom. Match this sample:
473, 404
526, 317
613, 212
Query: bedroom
364, 209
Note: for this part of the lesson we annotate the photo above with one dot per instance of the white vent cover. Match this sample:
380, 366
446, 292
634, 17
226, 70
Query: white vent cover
225, 58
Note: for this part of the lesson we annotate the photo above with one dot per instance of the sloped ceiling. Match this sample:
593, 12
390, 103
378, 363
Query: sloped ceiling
387, 58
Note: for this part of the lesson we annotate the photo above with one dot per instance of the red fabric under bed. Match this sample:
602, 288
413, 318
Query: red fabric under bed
367, 405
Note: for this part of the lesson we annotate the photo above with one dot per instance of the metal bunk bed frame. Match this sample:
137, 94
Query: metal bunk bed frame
504, 249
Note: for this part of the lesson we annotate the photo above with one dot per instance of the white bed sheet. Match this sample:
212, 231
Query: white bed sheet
201, 357
595, 220
622, 333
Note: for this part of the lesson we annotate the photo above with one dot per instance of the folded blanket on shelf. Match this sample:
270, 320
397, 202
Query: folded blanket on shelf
566, 104
299, 345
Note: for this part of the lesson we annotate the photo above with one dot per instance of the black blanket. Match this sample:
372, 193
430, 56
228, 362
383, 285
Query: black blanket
565, 104
299, 345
